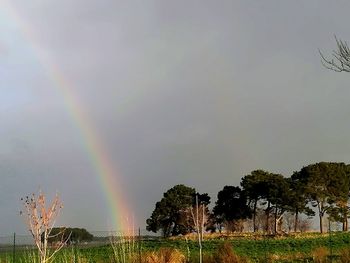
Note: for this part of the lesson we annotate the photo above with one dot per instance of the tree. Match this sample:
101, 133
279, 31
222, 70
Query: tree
40, 220
278, 191
341, 57
266, 187
212, 224
289, 222
171, 212
339, 63
199, 213
327, 186
252, 185
339, 189
71, 235
298, 201
231, 206
316, 187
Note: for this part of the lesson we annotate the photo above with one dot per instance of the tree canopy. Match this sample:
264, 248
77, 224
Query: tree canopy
171, 213
264, 197
71, 235
231, 206
326, 186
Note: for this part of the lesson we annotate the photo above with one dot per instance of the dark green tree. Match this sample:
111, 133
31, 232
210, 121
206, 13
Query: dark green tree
339, 189
253, 187
298, 200
327, 186
71, 235
231, 205
197, 216
278, 194
317, 187
339, 62
212, 224
264, 187
171, 212
273, 192
203, 199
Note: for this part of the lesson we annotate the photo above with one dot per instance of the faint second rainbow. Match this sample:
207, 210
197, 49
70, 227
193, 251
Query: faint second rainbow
107, 173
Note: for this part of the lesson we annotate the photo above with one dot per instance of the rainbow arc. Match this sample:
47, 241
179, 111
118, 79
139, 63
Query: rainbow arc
105, 169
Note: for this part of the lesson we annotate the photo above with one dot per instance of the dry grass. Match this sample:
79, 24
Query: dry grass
124, 247
320, 255
345, 255
224, 254
164, 255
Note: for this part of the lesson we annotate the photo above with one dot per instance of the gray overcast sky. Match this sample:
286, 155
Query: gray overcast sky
192, 92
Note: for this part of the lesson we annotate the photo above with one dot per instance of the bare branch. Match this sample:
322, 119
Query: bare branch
40, 221
341, 57
62, 243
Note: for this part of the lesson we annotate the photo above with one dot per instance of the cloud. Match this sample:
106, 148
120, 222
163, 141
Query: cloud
199, 93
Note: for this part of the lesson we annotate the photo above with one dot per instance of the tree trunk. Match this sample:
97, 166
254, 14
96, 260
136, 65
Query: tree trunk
276, 220
345, 219
267, 216
254, 216
320, 214
279, 223
346, 224
296, 221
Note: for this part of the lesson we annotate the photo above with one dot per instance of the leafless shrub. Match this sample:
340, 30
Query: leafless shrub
40, 221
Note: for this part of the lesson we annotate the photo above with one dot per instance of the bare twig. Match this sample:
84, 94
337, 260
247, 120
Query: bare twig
40, 221
341, 57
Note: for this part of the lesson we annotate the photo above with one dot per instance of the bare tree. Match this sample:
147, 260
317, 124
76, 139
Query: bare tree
40, 221
199, 218
340, 60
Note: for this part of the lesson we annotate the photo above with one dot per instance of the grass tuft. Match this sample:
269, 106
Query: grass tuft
344, 255
320, 255
224, 254
164, 255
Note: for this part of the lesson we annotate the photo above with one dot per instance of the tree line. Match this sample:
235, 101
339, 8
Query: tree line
68, 235
263, 199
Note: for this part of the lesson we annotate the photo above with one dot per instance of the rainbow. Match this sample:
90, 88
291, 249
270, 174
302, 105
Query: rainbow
107, 173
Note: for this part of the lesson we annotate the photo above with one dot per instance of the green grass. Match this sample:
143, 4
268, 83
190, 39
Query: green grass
255, 248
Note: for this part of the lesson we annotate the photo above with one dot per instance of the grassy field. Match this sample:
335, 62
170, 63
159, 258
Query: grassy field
255, 248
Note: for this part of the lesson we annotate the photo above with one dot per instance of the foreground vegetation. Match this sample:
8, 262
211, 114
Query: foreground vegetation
267, 203
308, 247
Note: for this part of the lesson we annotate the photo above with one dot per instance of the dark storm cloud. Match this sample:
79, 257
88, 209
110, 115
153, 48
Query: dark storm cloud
193, 92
